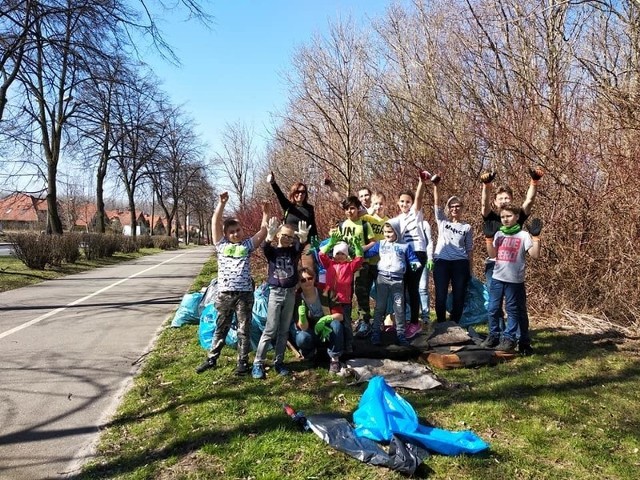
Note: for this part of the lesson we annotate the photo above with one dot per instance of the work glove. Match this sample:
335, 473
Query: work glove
358, 248
536, 173
535, 227
272, 228
334, 237
414, 266
302, 314
322, 328
314, 245
430, 265
303, 231
270, 177
327, 181
488, 177
490, 228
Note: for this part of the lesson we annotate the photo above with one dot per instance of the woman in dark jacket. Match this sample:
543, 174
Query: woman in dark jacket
297, 209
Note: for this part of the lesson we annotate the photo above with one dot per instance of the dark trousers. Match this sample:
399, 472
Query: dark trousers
456, 273
412, 287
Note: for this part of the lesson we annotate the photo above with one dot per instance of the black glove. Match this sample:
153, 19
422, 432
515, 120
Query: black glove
487, 177
535, 227
490, 228
536, 173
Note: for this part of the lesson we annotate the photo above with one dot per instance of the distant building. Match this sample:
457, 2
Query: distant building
21, 211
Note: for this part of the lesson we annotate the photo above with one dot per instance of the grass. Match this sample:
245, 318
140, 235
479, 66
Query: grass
15, 274
570, 411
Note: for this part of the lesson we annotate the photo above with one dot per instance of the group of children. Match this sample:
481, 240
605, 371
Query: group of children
369, 248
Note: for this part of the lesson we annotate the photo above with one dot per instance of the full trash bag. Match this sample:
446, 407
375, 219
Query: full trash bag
476, 301
209, 317
383, 413
404, 455
188, 310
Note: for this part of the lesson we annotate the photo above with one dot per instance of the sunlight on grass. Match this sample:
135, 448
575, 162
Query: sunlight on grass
570, 411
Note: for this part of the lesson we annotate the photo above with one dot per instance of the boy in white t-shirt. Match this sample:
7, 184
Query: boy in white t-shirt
508, 247
235, 285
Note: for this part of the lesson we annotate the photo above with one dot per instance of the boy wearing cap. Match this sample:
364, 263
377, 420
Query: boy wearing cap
340, 272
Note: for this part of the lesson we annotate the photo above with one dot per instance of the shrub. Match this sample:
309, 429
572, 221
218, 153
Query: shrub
128, 245
33, 249
145, 241
165, 242
65, 248
100, 245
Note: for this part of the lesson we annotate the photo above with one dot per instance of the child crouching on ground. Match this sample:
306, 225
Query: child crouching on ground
340, 272
283, 282
235, 285
394, 257
508, 247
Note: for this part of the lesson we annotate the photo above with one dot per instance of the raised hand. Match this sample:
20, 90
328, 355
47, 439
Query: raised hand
487, 177
358, 248
270, 177
535, 227
536, 173
272, 228
303, 231
425, 175
224, 198
490, 228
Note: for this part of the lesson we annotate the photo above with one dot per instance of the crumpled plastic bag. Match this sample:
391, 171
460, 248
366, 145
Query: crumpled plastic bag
383, 413
404, 455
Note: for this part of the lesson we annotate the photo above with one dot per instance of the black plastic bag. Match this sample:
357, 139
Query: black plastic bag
404, 455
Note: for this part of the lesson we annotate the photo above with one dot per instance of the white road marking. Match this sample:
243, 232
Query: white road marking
80, 300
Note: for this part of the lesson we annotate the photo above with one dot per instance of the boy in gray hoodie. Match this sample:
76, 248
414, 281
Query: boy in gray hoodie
394, 257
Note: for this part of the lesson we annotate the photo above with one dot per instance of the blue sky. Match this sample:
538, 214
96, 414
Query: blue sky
234, 72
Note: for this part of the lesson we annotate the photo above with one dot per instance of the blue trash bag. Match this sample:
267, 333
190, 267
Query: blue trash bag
382, 413
259, 314
209, 317
188, 310
476, 302
208, 326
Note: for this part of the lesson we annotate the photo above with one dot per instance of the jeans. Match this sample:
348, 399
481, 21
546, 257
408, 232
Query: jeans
307, 341
226, 304
456, 272
279, 317
389, 289
423, 289
515, 299
412, 284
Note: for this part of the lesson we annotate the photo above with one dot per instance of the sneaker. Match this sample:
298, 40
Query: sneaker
490, 342
375, 339
363, 329
525, 350
257, 371
402, 341
412, 330
242, 368
206, 365
506, 345
335, 367
281, 369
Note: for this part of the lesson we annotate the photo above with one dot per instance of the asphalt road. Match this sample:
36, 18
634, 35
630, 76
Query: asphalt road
68, 351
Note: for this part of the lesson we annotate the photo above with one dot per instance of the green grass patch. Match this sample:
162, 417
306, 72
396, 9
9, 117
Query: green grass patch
14, 274
570, 411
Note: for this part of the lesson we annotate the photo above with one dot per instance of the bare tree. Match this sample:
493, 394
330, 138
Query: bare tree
238, 159
329, 93
177, 164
